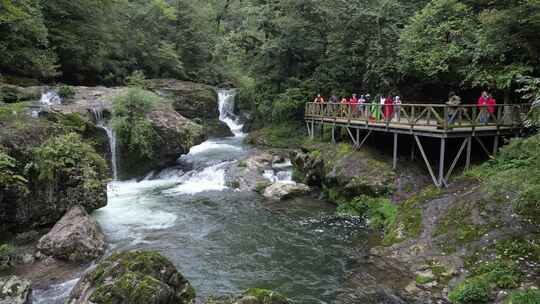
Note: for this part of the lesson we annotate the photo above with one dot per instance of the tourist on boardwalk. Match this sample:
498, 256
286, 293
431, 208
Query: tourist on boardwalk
454, 101
354, 103
492, 104
388, 108
319, 99
376, 108
397, 108
333, 99
344, 106
483, 102
361, 103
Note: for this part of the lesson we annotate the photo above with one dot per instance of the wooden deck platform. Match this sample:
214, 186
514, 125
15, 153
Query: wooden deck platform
439, 121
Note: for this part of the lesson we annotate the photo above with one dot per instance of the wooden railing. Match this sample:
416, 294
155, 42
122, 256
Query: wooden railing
441, 116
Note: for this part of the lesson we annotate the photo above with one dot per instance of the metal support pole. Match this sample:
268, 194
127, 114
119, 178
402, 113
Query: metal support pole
469, 149
322, 131
334, 133
357, 135
394, 165
441, 162
312, 129
426, 160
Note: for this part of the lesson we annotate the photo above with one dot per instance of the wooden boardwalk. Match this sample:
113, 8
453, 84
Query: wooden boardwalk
422, 120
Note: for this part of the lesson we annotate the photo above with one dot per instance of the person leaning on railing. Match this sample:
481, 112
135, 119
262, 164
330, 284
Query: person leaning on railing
454, 101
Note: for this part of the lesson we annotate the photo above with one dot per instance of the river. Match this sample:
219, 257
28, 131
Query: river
225, 241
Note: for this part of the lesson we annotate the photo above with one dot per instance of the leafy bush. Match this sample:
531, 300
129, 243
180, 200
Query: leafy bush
67, 155
8, 176
66, 91
136, 79
133, 130
473, 290
531, 296
379, 212
501, 274
6, 256
530, 91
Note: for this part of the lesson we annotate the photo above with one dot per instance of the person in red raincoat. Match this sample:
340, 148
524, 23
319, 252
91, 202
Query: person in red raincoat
354, 103
388, 107
492, 104
482, 107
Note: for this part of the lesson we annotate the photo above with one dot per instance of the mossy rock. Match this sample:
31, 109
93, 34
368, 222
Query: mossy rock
135, 277
265, 296
12, 94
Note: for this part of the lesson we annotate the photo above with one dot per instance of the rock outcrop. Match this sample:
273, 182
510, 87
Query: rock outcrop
345, 173
76, 237
252, 296
281, 191
133, 277
192, 100
13, 290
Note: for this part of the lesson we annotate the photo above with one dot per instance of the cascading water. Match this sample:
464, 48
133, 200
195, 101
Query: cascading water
101, 123
226, 241
50, 98
226, 100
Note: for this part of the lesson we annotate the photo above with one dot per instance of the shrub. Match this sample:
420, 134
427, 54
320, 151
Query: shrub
66, 91
133, 130
531, 296
473, 290
6, 256
136, 79
379, 212
67, 155
8, 176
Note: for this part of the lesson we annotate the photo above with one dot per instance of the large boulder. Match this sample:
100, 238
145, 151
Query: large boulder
176, 134
76, 237
14, 290
133, 277
282, 191
252, 296
11, 93
192, 100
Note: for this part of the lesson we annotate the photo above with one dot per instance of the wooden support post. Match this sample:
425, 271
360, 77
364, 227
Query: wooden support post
469, 149
334, 133
357, 135
322, 130
426, 160
307, 125
394, 165
483, 146
495, 145
355, 143
441, 162
312, 129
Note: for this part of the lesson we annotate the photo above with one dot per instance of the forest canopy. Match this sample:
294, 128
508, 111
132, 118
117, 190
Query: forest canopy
278, 52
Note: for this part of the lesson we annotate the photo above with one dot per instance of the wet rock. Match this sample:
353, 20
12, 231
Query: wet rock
282, 191
133, 277
76, 237
192, 100
11, 93
214, 128
252, 296
13, 290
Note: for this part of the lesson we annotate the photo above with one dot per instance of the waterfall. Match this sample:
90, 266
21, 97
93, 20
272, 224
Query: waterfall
50, 98
101, 123
226, 111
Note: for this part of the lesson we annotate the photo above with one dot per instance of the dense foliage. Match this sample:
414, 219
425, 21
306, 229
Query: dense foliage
133, 130
280, 52
67, 155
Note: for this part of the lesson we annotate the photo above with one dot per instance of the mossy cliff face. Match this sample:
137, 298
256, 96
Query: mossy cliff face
195, 101
133, 277
343, 172
56, 168
190, 99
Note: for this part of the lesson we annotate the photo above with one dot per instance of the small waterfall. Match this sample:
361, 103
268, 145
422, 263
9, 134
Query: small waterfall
50, 98
101, 123
226, 111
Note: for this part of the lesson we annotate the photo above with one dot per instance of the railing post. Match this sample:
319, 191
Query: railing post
445, 118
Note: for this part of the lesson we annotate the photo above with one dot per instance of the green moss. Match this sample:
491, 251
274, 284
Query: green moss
379, 212
530, 296
7, 256
408, 222
242, 164
66, 92
284, 135
421, 280
474, 290
261, 186
265, 296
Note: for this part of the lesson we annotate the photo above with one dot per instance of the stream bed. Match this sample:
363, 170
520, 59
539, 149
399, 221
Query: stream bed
225, 241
